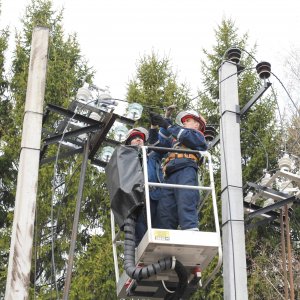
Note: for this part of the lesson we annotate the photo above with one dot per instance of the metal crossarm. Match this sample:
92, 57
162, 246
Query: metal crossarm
99, 137
269, 191
70, 114
60, 156
56, 138
255, 97
245, 109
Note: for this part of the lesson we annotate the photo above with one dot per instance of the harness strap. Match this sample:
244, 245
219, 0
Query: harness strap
181, 155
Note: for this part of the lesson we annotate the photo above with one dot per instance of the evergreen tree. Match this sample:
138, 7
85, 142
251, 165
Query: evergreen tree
292, 70
155, 87
292, 138
66, 72
259, 132
7, 171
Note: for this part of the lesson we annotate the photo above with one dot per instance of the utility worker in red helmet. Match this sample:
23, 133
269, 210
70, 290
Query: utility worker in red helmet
138, 137
179, 207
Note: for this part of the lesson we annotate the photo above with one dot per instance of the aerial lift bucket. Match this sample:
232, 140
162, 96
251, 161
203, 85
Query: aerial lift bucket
194, 249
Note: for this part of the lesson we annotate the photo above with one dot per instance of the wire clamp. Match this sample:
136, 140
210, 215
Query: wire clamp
173, 262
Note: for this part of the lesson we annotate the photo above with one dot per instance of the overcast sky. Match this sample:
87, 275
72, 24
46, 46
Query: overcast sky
114, 34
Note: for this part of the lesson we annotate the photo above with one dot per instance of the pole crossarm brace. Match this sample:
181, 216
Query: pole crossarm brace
60, 156
269, 191
98, 162
245, 109
56, 138
255, 97
99, 136
269, 213
285, 199
262, 222
70, 114
99, 130
214, 142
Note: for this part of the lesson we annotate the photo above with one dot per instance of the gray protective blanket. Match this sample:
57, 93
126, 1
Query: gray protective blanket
125, 182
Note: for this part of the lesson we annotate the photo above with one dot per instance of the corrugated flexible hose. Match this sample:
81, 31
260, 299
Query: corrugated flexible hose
139, 273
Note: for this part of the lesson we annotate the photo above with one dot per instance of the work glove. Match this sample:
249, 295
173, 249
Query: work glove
157, 119
169, 110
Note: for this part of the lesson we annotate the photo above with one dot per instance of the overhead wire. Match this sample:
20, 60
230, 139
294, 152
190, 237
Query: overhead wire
227, 182
53, 193
276, 100
260, 142
229, 204
35, 253
53, 271
191, 99
294, 104
52, 237
289, 96
251, 55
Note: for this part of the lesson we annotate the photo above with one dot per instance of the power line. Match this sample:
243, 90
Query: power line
53, 193
289, 96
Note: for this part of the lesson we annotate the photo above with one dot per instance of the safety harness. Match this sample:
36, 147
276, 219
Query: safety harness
173, 155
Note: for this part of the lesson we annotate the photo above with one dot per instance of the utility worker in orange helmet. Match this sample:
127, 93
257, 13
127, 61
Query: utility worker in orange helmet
179, 207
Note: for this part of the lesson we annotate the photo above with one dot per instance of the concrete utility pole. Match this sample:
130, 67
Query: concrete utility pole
234, 265
22, 233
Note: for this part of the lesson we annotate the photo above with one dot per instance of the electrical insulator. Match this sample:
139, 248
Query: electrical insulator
233, 54
266, 179
95, 116
248, 198
84, 94
134, 111
106, 153
268, 202
285, 185
263, 70
285, 163
104, 96
209, 133
120, 133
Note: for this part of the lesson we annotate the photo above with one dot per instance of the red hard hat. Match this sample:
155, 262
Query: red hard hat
139, 131
182, 116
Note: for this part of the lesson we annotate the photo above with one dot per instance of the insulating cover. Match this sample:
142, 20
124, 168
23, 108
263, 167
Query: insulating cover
125, 182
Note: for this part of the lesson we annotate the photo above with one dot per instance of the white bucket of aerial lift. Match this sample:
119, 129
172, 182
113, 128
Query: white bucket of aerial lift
191, 248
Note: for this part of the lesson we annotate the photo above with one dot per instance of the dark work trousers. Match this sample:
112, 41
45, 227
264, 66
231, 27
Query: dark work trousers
141, 223
179, 206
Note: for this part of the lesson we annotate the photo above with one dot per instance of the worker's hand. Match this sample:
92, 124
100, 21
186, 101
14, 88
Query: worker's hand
157, 119
169, 110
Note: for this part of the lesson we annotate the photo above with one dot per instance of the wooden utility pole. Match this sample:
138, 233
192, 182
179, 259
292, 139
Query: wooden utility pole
19, 265
283, 252
288, 241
